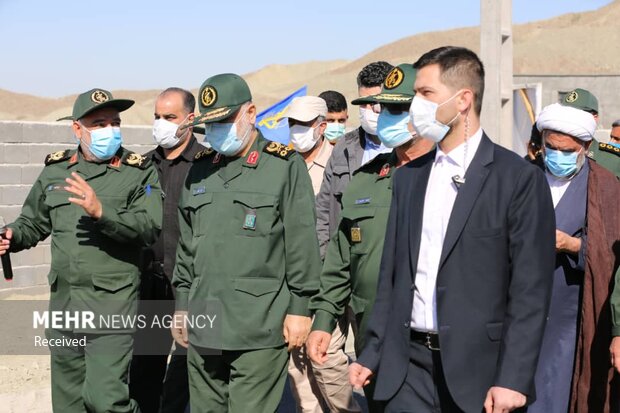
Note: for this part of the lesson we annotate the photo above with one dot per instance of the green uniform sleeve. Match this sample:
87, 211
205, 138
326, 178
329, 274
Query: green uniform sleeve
33, 224
303, 262
330, 303
140, 221
183, 268
615, 306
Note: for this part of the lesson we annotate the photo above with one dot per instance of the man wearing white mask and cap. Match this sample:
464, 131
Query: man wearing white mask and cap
574, 373
306, 120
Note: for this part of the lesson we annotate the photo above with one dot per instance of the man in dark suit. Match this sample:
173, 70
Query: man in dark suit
465, 278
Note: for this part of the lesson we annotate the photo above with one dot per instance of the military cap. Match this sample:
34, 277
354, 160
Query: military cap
581, 99
96, 99
397, 87
220, 96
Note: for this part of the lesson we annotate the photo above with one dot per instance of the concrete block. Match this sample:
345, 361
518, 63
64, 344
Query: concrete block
11, 132
38, 152
27, 277
10, 213
10, 174
45, 132
31, 257
2, 160
16, 153
30, 173
137, 135
13, 194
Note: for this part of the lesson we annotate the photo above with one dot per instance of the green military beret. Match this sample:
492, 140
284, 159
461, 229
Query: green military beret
581, 99
220, 96
96, 99
397, 87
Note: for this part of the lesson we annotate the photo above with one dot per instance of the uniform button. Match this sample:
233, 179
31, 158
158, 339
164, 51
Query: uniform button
226, 185
412, 287
406, 324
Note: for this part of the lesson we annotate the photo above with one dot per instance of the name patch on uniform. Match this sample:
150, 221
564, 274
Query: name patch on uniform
250, 221
362, 201
54, 187
198, 191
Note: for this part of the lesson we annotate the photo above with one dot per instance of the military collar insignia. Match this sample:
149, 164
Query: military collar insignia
115, 162
208, 96
394, 78
56, 157
252, 159
99, 96
136, 160
385, 170
203, 154
74, 158
609, 148
217, 158
279, 150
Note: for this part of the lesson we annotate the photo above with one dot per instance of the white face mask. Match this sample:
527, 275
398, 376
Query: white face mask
165, 133
303, 138
368, 120
424, 118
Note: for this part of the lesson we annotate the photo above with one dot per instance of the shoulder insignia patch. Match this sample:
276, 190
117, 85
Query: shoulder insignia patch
609, 148
56, 157
279, 150
203, 154
136, 160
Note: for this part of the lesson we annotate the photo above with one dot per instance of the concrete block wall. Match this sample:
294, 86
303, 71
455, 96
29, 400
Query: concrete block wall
23, 147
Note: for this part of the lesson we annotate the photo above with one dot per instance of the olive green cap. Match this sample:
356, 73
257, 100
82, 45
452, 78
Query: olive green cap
221, 96
96, 99
397, 87
581, 99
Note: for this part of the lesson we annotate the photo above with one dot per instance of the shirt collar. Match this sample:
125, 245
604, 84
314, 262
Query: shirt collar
192, 148
457, 155
324, 153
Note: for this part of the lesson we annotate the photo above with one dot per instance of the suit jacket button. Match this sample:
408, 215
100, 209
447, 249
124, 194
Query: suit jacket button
412, 287
406, 324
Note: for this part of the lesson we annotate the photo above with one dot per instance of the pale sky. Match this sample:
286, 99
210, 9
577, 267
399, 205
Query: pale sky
58, 47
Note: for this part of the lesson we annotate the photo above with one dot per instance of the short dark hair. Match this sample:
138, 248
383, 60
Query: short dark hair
373, 74
189, 101
460, 68
336, 102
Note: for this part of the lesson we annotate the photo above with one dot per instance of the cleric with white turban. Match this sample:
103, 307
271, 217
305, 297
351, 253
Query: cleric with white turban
567, 133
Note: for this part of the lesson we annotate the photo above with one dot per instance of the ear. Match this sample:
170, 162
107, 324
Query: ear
77, 130
322, 127
465, 101
252, 113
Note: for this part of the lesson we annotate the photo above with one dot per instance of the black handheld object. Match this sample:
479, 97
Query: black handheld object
7, 269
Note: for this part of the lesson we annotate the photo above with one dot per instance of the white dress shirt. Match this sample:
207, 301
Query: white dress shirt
558, 187
372, 150
439, 199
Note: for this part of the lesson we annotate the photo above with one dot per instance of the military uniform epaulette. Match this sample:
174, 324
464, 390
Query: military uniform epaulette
279, 150
203, 154
56, 157
136, 160
609, 148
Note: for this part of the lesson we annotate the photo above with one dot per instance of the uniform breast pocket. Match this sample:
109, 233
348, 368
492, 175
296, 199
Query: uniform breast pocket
57, 201
254, 214
357, 226
200, 212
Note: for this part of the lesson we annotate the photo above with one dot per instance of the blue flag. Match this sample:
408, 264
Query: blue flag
268, 120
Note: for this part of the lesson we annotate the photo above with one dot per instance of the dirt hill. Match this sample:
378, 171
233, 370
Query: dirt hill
575, 43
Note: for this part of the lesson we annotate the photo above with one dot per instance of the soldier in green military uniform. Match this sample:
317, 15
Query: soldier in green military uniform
605, 154
247, 242
351, 268
101, 204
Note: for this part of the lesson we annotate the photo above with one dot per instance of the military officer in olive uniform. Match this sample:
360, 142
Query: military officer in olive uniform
101, 204
248, 243
351, 268
605, 154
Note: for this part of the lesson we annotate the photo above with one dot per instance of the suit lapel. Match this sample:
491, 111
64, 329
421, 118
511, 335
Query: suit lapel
421, 169
475, 177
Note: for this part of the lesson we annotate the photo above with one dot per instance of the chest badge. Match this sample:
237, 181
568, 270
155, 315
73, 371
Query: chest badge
250, 221
356, 234
252, 158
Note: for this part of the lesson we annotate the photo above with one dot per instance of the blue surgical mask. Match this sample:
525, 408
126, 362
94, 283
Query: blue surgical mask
334, 131
561, 164
392, 129
223, 137
614, 144
104, 142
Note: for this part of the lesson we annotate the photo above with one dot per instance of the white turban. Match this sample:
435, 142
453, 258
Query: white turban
570, 121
